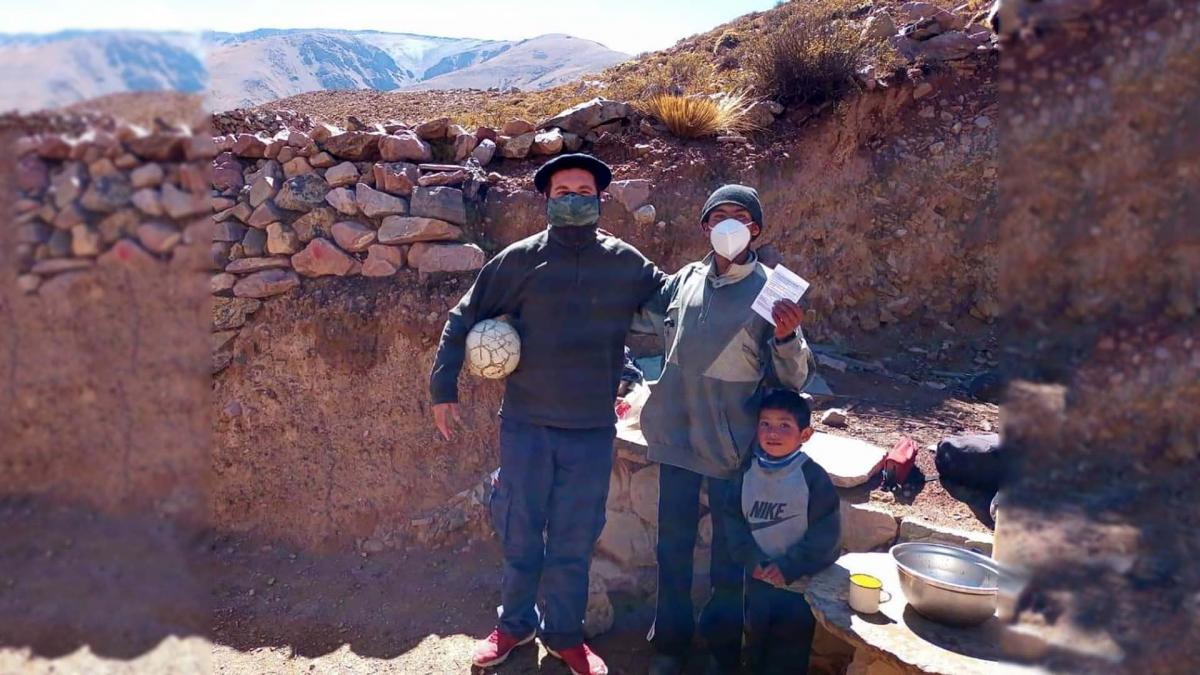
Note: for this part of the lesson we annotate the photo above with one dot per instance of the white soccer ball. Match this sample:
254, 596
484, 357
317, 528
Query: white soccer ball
493, 349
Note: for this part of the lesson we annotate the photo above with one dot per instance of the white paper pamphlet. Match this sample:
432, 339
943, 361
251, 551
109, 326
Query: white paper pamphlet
782, 284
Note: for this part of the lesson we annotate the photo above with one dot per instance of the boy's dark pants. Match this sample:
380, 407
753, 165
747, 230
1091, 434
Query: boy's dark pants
721, 618
779, 630
548, 510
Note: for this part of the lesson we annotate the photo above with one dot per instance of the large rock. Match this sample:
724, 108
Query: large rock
359, 146
464, 145
848, 461
518, 147
588, 115
409, 230
398, 178
302, 193
431, 258
917, 11
263, 187
266, 284
250, 146
315, 223
342, 175
866, 528
405, 146
950, 46
85, 241
342, 199
383, 261
254, 244
322, 258
229, 230
484, 152
433, 130
67, 183
626, 540
59, 265
442, 203
264, 215
353, 236
258, 264
376, 204
149, 202
443, 178
631, 193
599, 616
32, 175
517, 127
231, 313
643, 493
879, 27
913, 528
548, 142
281, 239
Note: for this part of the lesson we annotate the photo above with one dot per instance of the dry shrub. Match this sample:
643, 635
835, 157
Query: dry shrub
811, 57
699, 116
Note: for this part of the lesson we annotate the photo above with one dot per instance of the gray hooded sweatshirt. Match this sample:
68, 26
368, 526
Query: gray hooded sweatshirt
721, 357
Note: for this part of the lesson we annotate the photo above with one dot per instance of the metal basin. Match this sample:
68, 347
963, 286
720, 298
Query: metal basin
947, 584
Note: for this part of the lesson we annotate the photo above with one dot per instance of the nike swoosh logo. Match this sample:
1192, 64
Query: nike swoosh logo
769, 523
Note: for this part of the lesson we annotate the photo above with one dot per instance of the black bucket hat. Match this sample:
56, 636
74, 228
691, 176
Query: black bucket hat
579, 160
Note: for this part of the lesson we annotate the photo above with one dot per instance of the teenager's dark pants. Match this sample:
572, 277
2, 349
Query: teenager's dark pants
721, 617
548, 510
779, 630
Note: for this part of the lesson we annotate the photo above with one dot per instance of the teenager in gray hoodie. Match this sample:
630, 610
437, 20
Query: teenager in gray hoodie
701, 416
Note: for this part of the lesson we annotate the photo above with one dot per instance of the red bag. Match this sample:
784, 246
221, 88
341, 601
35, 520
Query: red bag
899, 463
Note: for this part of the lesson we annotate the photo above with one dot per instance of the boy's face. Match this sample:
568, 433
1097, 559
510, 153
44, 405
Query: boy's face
779, 434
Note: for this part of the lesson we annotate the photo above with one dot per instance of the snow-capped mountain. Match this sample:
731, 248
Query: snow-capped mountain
243, 69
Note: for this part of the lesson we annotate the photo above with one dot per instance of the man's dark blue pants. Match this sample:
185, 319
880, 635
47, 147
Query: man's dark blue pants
548, 510
779, 630
721, 618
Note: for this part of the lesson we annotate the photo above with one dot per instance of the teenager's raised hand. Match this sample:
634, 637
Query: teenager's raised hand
788, 317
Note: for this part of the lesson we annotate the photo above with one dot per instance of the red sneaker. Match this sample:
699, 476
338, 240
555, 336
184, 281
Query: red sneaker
581, 660
496, 647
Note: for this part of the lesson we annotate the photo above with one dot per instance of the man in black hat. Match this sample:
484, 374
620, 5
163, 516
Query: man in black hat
571, 292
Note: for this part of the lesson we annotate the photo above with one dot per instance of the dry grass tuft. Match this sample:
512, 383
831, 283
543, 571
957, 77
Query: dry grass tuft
700, 116
811, 57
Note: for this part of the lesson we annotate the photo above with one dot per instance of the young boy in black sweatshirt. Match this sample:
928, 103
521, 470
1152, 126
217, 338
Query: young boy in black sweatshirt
784, 524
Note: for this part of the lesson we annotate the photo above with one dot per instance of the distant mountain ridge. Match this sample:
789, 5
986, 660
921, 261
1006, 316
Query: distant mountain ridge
245, 69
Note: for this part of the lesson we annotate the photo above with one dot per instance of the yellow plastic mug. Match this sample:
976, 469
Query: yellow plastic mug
865, 591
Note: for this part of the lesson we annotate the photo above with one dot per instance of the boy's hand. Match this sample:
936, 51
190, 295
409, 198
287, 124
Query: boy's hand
770, 574
442, 413
788, 317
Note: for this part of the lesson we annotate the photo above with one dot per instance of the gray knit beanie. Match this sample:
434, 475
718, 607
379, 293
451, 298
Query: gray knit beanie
740, 195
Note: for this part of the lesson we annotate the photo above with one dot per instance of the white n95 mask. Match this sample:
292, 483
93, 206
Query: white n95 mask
729, 238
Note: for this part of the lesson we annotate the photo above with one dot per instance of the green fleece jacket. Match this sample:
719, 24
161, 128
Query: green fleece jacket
721, 357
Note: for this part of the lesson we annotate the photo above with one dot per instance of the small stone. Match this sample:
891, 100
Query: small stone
835, 417
67, 184
322, 160
229, 230
85, 242
404, 146
322, 258
281, 240
315, 223
266, 284
484, 152
879, 27
922, 90
408, 230
33, 233
55, 147
302, 193
759, 115
342, 199
733, 139
582, 118
59, 265
645, 215
354, 145
263, 188
222, 284
549, 142
398, 178
226, 174
231, 313
983, 122
257, 264
630, 193
442, 203
353, 236
32, 175
376, 204
572, 142
464, 145
443, 178
433, 130
121, 223
296, 167
342, 175
158, 237
249, 146
431, 258
518, 147
59, 244
179, 204
254, 244
28, 283
516, 127
148, 201
383, 261
126, 253
264, 215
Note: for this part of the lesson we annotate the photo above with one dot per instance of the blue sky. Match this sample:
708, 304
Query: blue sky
631, 26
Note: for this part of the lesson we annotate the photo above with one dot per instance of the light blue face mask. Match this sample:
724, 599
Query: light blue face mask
572, 210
